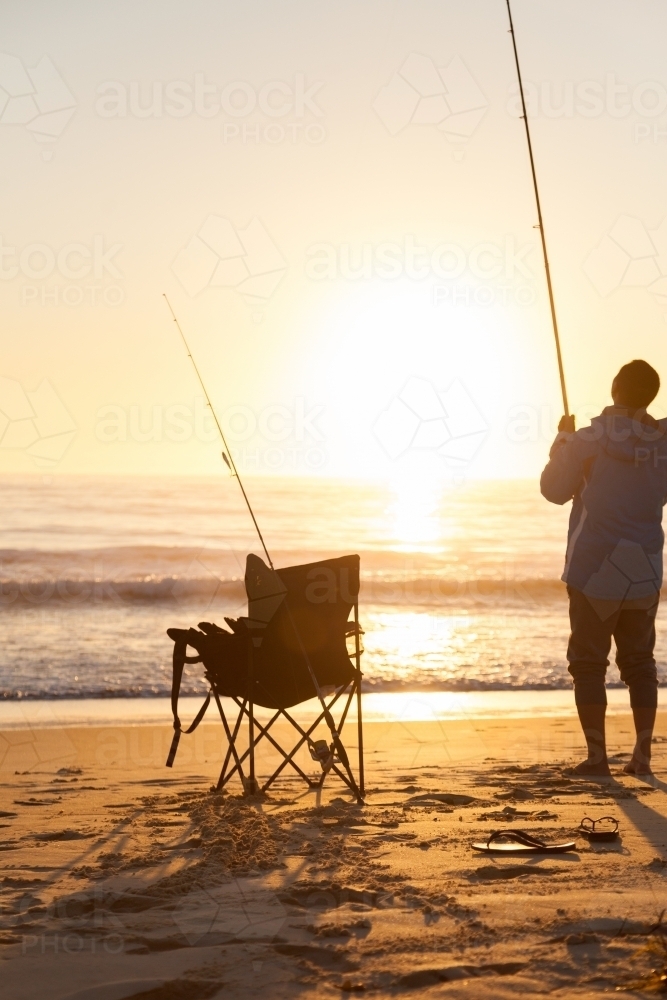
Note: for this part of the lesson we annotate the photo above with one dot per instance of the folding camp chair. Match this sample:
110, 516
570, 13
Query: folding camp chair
290, 648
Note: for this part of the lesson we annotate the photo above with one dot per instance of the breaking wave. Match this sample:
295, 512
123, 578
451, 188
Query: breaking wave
385, 589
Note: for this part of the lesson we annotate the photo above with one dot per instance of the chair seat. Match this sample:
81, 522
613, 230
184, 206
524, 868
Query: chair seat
280, 676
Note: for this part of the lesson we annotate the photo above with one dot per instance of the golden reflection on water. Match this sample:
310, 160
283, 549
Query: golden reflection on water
417, 521
433, 643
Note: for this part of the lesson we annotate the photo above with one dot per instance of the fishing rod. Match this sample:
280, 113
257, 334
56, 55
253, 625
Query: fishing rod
229, 462
227, 454
540, 224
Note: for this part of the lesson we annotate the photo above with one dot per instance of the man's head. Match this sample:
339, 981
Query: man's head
635, 386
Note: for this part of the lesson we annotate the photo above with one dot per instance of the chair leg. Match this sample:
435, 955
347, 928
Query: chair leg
341, 722
305, 734
351, 783
264, 733
246, 708
243, 710
339, 729
231, 744
360, 727
231, 751
250, 786
349, 779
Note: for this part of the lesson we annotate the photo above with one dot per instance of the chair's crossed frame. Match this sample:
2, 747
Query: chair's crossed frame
328, 758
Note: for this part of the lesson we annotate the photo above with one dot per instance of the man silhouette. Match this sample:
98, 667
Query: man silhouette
615, 471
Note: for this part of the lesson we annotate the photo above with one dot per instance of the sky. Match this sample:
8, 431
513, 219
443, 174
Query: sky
336, 199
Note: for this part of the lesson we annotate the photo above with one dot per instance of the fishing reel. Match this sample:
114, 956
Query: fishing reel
324, 754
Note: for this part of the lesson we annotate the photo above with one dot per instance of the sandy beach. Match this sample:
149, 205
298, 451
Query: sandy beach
121, 879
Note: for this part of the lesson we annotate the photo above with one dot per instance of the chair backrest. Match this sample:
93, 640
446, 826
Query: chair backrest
298, 615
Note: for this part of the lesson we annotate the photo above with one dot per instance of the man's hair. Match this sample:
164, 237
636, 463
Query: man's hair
637, 384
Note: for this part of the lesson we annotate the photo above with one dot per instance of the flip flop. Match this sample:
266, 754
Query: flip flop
521, 843
588, 825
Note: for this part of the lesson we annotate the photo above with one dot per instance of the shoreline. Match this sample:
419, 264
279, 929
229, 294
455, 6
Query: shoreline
400, 706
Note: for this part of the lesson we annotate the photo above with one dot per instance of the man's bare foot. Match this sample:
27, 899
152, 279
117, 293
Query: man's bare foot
635, 766
599, 769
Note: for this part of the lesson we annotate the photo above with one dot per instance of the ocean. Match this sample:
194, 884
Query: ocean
460, 584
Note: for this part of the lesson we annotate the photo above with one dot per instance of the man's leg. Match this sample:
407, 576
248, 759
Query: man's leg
587, 654
635, 640
592, 721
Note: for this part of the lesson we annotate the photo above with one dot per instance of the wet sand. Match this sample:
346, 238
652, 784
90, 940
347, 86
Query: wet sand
122, 879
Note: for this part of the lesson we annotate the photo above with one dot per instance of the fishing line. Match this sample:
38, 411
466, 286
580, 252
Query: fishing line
540, 224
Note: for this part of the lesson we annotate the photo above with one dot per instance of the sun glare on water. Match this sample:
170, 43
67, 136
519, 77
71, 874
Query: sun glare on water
415, 511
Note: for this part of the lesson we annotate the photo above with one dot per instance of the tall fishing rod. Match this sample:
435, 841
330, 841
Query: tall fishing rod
226, 455
540, 225
229, 461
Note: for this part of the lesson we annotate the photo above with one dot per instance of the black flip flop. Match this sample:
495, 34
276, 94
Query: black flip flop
588, 828
521, 843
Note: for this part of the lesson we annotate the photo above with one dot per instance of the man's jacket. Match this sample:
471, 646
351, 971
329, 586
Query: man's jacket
616, 473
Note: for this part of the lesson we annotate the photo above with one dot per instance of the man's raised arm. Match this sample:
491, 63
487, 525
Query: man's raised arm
563, 475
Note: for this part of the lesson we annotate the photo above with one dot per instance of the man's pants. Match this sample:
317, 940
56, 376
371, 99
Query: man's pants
633, 630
